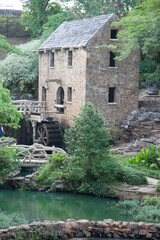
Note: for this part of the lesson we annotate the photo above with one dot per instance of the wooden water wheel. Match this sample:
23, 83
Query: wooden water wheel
49, 134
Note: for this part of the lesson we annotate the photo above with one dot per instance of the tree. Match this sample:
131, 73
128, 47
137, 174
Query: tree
87, 140
93, 8
141, 30
5, 46
9, 116
54, 21
20, 72
36, 13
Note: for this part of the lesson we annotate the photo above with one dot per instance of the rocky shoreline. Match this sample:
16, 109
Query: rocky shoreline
79, 229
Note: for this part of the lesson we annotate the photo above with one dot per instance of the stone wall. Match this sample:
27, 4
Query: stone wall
150, 103
142, 123
62, 75
82, 229
124, 77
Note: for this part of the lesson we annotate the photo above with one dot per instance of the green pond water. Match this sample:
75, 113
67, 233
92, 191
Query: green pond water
59, 206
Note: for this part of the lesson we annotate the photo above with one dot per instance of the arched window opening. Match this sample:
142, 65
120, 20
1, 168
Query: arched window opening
60, 100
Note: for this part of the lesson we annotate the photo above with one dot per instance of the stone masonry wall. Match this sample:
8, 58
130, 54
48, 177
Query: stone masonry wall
64, 76
124, 77
80, 229
142, 123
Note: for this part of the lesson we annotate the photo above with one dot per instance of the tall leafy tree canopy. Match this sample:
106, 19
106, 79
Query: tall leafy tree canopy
36, 13
9, 116
141, 30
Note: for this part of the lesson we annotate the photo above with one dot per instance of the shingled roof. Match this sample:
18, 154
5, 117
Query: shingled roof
75, 33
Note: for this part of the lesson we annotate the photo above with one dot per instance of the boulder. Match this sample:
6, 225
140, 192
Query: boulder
146, 84
152, 91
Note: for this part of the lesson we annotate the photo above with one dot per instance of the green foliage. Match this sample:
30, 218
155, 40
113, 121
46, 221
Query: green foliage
54, 21
4, 45
8, 113
150, 71
36, 13
147, 171
91, 8
141, 30
7, 220
20, 73
90, 168
147, 157
140, 213
87, 139
153, 201
55, 169
8, 161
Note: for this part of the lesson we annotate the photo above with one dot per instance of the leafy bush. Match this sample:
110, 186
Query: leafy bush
150, 71
108, 170
140, 212
8, 161
153, 201
7, 220
147, 157
87, 140
19, 73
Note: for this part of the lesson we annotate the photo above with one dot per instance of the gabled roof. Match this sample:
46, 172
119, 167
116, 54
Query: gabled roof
75, 33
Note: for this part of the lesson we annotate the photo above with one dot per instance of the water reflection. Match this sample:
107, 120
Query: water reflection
58, 206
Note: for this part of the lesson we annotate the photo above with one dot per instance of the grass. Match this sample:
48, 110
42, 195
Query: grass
140, 212
147, 171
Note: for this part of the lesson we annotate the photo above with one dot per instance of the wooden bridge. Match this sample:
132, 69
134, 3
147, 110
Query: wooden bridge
36, 154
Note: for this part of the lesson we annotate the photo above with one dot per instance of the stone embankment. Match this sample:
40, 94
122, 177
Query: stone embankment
142, 123
82, 229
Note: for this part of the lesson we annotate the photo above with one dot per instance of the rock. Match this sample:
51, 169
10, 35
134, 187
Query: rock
135, 112
152, 91
146, 84
143, 232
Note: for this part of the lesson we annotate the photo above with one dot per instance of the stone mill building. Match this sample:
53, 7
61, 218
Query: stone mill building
73, 71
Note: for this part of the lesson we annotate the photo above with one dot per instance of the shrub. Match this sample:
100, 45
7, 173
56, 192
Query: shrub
140, 212
153, 201
13, 219
147, 157
87, 139
106, 171
8, 160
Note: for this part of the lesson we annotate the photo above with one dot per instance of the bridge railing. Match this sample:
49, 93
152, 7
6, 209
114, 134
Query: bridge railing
28, 107
36, 153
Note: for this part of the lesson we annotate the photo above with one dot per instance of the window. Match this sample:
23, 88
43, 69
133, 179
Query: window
114, 33
69, 58
112, 60
43, 94
69, 94
111, 95
51, 59
60, 100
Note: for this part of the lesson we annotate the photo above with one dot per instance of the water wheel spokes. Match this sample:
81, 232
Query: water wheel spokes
49, 134
42, 134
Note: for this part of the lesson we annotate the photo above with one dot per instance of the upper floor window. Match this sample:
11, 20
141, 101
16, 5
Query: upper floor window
112, 60
51, 55
69, 94
69, 58
111, 95
114, 33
